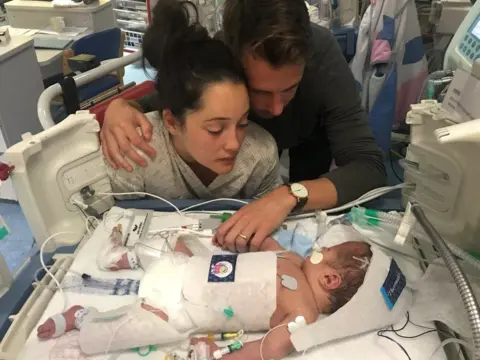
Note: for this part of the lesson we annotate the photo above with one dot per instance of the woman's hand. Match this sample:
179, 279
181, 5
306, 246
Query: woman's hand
247, 228
119, 132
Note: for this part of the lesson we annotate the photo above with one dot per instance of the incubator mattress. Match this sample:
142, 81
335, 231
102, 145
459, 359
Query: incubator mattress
367, 346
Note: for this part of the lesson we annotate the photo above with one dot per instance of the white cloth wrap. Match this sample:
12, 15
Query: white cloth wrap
366, 311
161, 287
251, 296
178, 286
125, 328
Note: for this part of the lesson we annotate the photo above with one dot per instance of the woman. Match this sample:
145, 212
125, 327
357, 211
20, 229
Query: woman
206, 147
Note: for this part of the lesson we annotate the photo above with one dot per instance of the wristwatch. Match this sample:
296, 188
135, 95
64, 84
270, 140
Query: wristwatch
301, 193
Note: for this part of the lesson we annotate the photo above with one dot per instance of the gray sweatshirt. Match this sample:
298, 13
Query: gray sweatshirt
326, 109
254, 174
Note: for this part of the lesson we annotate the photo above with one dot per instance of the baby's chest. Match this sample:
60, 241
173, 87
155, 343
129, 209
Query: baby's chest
293, 291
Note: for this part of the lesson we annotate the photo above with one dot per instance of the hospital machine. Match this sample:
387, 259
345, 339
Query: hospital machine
61, 187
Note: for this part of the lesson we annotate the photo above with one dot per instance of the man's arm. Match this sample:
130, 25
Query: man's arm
359, 159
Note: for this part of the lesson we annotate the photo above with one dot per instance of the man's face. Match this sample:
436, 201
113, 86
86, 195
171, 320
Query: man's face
270, 89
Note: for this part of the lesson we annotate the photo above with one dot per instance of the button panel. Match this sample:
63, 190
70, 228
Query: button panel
470, 47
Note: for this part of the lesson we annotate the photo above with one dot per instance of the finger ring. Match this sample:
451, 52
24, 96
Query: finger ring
243, 237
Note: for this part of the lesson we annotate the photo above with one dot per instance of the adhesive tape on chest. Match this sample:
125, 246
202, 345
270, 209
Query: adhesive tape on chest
316, 257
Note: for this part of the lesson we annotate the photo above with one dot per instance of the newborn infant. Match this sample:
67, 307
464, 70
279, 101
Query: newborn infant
223, 293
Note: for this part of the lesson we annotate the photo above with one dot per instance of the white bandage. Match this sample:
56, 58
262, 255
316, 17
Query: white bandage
60, 324
297, 324
132, 260
80, 316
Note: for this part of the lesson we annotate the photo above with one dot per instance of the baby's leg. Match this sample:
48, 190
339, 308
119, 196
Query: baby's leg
59, 324
73, 318
181, 247
125, 328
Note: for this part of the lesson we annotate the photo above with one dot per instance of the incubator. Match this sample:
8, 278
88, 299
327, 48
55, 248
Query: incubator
61, 187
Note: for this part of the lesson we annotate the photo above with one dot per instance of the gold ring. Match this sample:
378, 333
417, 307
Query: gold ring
243, 237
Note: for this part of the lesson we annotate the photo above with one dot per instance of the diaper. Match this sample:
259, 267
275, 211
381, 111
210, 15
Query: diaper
231, 292
161, 287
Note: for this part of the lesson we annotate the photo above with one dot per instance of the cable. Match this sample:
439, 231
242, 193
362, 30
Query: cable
396, 342
214, 200
452, 340
42, 262
392, 152
146, 194
263, 339
369, 196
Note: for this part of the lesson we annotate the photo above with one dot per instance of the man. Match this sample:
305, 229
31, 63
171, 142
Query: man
302, 91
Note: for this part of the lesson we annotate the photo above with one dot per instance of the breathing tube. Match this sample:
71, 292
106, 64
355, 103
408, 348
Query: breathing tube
391, 223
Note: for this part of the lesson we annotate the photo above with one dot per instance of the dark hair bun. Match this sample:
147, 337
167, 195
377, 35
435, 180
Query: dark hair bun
187, 60
174, 26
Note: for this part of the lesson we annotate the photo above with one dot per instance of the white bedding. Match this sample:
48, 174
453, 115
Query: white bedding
367, 346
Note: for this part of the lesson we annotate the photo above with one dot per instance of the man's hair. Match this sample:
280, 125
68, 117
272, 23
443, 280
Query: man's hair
352, 271
277, 31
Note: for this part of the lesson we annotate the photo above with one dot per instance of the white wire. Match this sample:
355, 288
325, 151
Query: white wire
146, 194
173, 229
214, 200
42, 262
369, 196
263, 339
453, 340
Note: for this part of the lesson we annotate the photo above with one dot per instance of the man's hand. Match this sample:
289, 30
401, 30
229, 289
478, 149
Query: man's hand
248, 227
119, 132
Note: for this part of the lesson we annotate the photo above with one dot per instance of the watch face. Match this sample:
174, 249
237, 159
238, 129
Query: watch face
299, 190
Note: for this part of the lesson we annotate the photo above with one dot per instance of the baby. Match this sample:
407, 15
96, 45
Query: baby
257, 292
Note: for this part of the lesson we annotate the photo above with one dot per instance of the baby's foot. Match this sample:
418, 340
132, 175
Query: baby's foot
127, 261
114, 256
61, 323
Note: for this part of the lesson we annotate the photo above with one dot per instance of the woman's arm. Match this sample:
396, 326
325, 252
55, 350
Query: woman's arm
266, 175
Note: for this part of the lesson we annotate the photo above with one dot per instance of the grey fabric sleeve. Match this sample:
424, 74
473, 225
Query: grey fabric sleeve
270, 175
359, 159
147, 102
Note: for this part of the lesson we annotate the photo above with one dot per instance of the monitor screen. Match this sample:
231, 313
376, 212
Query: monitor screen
475, 30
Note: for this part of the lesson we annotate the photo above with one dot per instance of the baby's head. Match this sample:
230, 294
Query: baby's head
337, 277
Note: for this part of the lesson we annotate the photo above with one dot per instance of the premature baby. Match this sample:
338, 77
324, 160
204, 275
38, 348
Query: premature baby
223, 293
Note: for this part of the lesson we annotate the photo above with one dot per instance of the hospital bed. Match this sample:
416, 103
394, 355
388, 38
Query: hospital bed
46, 194
50, 211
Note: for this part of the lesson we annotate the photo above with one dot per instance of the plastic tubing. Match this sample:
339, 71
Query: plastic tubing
391, 222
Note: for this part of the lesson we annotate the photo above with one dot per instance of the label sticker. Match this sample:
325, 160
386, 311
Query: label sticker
138, 227
222, 268
393, 286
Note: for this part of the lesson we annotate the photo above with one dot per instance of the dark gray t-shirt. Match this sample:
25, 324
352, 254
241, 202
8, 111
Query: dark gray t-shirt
327, 109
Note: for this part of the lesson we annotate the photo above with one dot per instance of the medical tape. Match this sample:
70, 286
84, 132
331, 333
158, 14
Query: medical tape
117, 287
60, 324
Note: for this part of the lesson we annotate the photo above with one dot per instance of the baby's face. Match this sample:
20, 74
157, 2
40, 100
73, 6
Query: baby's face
319, 269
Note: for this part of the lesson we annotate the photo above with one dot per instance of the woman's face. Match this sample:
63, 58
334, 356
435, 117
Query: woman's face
212, 135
